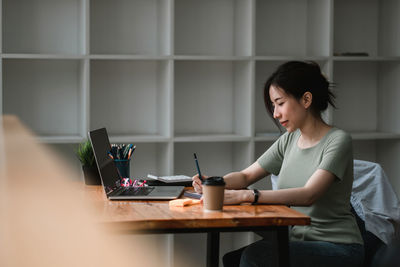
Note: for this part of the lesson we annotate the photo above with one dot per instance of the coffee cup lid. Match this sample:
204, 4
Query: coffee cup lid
214, 180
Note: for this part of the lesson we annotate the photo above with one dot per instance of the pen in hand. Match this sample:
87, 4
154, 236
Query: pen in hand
197, 166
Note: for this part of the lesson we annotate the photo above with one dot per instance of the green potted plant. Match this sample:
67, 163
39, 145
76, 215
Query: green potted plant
86, 157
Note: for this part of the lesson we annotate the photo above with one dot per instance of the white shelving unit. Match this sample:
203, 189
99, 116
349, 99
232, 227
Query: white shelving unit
183, 76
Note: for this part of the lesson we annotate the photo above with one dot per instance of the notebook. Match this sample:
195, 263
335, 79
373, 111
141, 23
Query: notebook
171, 179
110, 177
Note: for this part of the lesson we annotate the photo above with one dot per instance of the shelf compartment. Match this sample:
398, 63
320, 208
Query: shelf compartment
363, 58
42, 56
47, 95
387, 155
365, 91
139, 139
290, 58
63, 139
384, 152
365, 150
139, 27
130, 57
212, 98
211, 138
43, 26
260, 147
264, 124
388, 86
211, 58
367, 26
375, 136
215, 158
130, 98
211, 27
67, 152
292, 28
267, 136
263, 121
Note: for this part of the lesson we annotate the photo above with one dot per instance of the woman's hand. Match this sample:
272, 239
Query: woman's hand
237, 196
197, 183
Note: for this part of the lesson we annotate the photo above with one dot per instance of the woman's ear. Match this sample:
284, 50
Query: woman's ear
306, 99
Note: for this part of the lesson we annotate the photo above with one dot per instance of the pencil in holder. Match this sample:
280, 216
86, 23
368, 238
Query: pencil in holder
123, 166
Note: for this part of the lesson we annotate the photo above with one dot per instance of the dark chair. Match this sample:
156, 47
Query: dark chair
232, 259
388, 256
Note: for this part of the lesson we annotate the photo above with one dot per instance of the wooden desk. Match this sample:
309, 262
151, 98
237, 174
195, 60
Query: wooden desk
158, 217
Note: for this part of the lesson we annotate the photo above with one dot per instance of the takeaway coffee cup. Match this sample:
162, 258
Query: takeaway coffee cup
213, 193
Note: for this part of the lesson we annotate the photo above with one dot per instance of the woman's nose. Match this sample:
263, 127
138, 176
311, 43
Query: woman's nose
276, 113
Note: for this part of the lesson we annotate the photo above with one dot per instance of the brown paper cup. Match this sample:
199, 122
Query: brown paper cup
213, 197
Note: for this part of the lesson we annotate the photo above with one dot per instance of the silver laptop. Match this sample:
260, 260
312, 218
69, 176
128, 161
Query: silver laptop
110, 177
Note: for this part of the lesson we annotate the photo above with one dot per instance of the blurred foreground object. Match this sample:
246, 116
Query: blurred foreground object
44, 218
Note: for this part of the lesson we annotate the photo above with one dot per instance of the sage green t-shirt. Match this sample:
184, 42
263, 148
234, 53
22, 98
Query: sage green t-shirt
331, 218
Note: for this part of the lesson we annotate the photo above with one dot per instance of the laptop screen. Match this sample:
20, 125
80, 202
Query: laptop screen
101, 146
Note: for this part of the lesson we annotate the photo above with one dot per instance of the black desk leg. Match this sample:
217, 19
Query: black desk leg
212, 249
283, 246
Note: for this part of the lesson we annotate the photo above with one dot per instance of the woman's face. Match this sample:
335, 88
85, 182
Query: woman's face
288, 110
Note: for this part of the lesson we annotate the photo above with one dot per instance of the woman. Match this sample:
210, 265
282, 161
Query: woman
314, 162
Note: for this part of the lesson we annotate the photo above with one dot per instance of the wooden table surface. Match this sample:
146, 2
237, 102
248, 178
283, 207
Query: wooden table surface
155, 215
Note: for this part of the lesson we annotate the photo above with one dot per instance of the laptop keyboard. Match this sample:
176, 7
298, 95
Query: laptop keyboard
137, 191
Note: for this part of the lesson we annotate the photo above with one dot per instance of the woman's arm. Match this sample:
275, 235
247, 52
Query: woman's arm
316, 186
246, 177
237, 180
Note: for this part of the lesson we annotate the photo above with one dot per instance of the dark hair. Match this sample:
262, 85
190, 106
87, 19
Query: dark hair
298, 77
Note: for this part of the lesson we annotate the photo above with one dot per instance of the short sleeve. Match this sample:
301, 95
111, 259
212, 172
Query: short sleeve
338, 154
272, 159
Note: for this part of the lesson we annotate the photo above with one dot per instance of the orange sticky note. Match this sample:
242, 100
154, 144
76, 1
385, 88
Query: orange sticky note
183, 202
179, 202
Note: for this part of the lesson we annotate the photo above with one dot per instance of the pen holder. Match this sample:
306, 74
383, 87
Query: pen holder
123, 166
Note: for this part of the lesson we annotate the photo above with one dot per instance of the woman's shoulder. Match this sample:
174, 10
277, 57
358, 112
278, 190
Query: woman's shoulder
338, 135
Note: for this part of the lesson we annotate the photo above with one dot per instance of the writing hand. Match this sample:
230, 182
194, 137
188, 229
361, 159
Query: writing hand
197, 183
